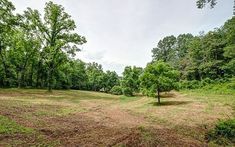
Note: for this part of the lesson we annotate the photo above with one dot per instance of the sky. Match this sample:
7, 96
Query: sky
122, 33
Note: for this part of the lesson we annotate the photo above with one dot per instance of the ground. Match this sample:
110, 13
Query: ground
80, 118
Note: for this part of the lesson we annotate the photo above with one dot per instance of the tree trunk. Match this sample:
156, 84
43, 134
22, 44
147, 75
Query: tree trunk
5, 80
49, 81
31, 76
158, 96
19, 79
38, 75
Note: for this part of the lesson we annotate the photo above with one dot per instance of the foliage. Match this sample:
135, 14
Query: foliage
165, 49
223, 133
56, 34
219, 86
131, 79
206, 56
127, 91
202, 3
39, 52
158, 77
116, 90
110, 79
95, 75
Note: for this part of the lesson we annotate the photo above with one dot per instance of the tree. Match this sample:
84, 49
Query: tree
158, 77
23, 50
110, 79
229, 50
7, 24
165, 50
56, 34
78, 76
182, 50
130, 79
95, 75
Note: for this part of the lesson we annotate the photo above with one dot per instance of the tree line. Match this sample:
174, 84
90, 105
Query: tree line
208, 55
38, 51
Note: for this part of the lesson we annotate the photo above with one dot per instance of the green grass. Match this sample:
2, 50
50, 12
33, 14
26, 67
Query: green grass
212, 96
125, 99
7, 126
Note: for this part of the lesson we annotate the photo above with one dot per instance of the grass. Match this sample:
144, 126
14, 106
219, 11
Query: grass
146, 135
8, 126
212, 97
189, 113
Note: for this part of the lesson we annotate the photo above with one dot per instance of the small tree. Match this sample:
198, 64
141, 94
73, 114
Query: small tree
158, 77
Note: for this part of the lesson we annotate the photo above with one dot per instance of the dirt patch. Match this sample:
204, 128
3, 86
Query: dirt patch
81, 130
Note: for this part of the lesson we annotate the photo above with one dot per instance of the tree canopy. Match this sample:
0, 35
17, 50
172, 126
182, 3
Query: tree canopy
158, 77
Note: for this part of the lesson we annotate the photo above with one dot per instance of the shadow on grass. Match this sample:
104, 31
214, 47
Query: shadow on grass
168, 95
170, 103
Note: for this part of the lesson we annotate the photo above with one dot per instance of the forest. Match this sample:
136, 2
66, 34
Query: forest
38, 51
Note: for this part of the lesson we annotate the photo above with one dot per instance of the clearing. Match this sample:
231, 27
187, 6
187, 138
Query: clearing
80, 118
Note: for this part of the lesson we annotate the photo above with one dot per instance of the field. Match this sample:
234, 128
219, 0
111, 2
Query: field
79, 118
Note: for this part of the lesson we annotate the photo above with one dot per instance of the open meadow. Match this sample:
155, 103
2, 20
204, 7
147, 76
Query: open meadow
79, 118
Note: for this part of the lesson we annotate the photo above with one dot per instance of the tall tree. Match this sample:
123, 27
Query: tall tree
57, 37
165, 50
182, 48
229, 50
25, 47
7, 24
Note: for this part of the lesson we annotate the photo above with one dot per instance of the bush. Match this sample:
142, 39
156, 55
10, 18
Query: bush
116, 90
194, 84
206, 81
223, 133
231, 84
127, 91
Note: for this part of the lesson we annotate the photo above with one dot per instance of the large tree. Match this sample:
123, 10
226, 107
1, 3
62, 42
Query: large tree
57, 36
229, 50
158, 77
7, 25
165, 50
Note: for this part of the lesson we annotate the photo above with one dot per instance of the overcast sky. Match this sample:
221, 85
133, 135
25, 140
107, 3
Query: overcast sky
123, 32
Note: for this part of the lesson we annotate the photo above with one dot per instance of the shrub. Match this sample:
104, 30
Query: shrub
116, 90
194, 84
127, 91
223, 133
231, 84
206, 81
